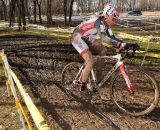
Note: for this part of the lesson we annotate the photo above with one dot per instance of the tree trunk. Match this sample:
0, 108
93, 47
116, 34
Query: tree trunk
49, 11
12, 13
19, 15
65, 12
102, 3
4, 10
35, 11
71, 12
28, 12
39, 8
23, 14
1, 12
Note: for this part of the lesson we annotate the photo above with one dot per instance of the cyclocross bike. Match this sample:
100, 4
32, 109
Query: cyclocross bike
132, 90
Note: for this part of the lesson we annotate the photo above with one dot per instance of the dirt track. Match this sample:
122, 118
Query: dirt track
38, 63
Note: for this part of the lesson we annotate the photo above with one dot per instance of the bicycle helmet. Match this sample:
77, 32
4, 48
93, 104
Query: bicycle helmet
110, 10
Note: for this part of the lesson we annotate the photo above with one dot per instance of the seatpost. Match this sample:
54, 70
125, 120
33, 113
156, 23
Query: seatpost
95, 86
93, 76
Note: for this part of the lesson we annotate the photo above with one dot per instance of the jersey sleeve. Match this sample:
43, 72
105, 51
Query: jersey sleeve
111, 35
99, 26
102, 33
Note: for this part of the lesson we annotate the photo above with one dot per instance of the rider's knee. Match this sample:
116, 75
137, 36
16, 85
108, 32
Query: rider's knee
90, 62
103, 52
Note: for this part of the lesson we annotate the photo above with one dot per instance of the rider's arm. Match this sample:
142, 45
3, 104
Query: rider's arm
107, 40
103, 35
111, 35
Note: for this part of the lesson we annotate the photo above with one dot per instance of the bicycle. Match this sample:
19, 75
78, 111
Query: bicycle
133, 91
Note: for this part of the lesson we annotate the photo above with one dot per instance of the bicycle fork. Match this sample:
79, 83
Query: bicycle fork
127, 79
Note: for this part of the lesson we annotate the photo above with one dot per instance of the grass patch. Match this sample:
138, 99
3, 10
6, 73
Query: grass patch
134, 31
31, 32
5, 29
3, 21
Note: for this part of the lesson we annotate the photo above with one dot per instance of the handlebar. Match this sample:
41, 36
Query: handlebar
129, 50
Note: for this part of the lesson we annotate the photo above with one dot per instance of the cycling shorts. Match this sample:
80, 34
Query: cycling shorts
79, 44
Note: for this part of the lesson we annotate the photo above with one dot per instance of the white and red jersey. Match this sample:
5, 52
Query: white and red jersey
90, 27
87, 30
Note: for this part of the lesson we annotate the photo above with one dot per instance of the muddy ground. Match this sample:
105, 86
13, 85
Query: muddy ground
38, 63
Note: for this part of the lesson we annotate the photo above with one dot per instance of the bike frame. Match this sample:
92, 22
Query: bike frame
119, 64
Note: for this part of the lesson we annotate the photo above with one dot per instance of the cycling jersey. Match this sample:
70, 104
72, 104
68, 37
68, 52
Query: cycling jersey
90, 27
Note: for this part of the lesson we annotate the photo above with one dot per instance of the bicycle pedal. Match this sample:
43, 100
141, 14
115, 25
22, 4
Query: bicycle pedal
77, 82
95, 88
87, 95
83, 88
95, 91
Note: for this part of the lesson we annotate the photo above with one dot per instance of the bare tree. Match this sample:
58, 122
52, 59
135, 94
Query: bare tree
12, 12
35, 10
71, 11
19, 15
4, 10
20, 11
21, 8
39, 9
23, 14
28, 10
49, 11
1, 11
65, 12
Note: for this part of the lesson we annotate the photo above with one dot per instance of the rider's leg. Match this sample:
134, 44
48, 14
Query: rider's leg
87, 69
88, 66
83, 49
100, 64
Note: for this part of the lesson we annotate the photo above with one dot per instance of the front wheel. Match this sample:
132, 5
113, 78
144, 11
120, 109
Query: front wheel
145, 96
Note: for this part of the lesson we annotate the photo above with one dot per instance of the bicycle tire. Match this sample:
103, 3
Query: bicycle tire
145, 97
68, 75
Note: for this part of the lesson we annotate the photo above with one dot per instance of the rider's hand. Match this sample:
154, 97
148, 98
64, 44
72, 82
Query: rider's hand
120, 46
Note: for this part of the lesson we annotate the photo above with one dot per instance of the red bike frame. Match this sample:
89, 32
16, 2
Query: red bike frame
126, 77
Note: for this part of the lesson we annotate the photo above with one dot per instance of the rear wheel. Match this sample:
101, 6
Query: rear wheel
145, 96
69, 74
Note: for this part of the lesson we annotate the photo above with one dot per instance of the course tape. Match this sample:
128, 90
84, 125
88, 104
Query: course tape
12, 87
149, 54
36, 115
129, 36
140, 52
60, 35
67, 34
70, 30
